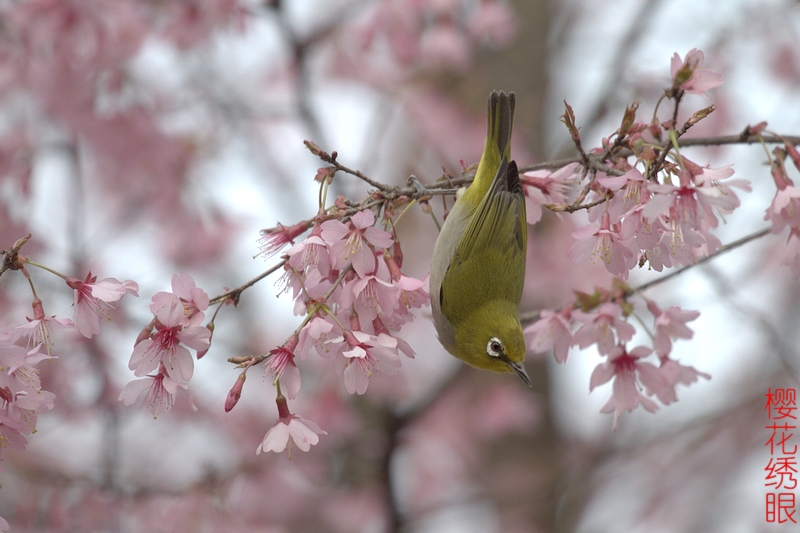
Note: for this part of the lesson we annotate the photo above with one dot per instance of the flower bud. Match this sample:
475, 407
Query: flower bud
235, 393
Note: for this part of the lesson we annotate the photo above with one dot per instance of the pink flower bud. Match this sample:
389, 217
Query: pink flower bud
235, 393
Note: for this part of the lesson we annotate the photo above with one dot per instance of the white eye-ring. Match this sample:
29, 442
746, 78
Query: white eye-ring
494, 348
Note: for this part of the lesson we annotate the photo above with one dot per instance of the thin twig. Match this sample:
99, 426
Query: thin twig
235, 293
741, 138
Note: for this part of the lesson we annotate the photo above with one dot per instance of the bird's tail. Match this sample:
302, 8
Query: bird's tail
498, 141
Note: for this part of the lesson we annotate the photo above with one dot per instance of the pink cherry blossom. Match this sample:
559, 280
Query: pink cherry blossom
649, 236
282, 367
602, 326
361, 354
193, 298
546, 187
289, 429
402, 345
160, 390
349, 243
92, 297
670, 324
605, 243
22, 398
12, 431
689, 74
318, 334
629, 373
552, 331
411, 292
690, 209
38, 329
370, 296
165, 345
784, 210
675, 373
311, 254
274, 239
628, 196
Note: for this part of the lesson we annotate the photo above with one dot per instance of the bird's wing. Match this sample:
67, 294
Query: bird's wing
491, 250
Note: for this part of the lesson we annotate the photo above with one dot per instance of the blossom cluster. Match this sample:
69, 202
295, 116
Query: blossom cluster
784, 210
601, 320
25, 345
346, 278
160, 357
663, 217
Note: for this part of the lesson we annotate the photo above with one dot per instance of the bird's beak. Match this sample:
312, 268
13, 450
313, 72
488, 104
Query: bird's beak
519, 368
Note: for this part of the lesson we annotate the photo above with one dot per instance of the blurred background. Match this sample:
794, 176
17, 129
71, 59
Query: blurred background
139, 139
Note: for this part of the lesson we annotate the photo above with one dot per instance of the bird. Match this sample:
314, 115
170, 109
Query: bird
478, 263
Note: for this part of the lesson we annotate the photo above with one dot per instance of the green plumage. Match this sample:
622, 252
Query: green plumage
478, 266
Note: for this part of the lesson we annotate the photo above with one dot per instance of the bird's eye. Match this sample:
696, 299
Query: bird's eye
494, 348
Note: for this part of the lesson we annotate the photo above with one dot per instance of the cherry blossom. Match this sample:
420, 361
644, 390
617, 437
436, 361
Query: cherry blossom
274, 239
193, 298
370, 296
649, 236
670, 324
93, 297
289, 429
628, 371
349, 242
629, 195
602, 326
38, 329
22, 398
410, 292
160, 390
784, 210
165, 345
282, 367
318, 334
311, 254
689, 74
546, 187
605, 243
553, 331
361, 354
674, 372
690, 209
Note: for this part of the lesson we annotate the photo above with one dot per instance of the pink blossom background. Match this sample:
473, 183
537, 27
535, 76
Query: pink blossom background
143, 139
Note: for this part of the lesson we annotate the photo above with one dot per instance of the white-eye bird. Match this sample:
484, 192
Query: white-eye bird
478, 265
